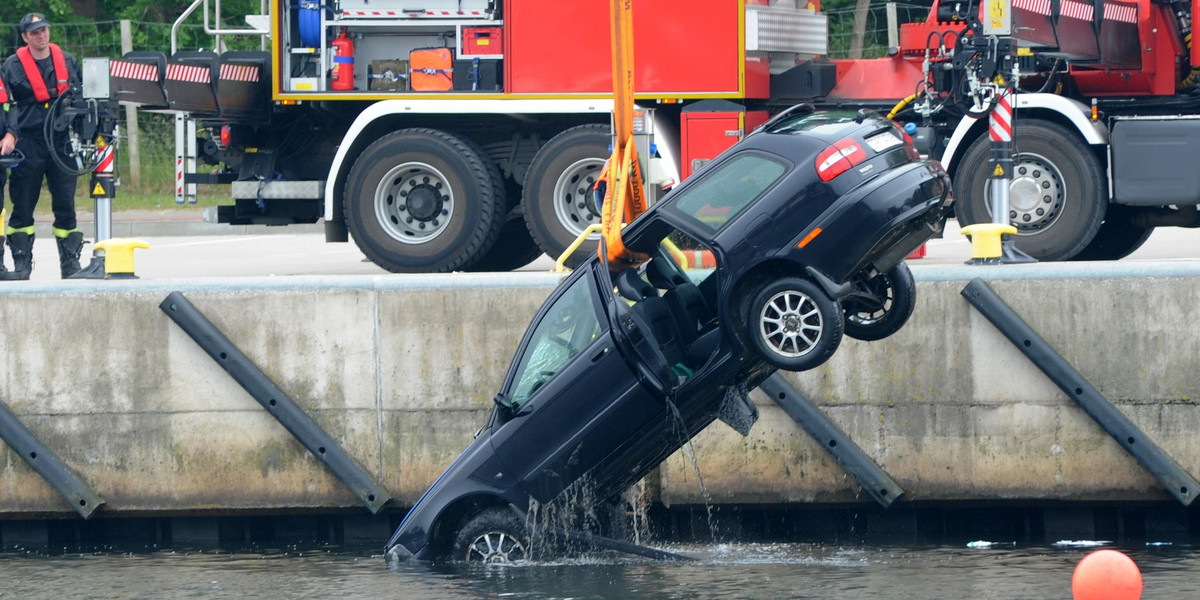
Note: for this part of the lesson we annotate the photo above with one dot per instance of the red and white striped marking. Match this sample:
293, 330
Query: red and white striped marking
1077, 10
189, 73
442, 14
179, 180
1041, 7
106, 160
230, 72
1000, 122
1125, 13
133, 70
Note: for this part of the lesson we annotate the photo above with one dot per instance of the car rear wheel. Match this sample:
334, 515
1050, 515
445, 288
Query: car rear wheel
494, 536
794, 325
881, 305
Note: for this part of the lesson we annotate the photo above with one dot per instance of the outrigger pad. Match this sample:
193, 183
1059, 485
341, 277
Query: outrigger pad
242, 86
191, 83
137, 79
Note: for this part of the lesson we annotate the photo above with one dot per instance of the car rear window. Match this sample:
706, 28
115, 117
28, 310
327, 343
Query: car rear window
723, 192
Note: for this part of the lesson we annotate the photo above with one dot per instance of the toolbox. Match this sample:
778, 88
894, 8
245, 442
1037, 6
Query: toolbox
430, 70
482, 41
389, 75
477, 75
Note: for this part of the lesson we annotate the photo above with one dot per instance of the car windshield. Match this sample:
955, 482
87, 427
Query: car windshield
567, 329
723, 192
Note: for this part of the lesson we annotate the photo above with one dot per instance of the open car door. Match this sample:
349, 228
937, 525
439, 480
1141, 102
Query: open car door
571, 396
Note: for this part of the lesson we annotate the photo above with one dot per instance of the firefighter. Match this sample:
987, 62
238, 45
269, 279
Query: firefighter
8, 141
36, 75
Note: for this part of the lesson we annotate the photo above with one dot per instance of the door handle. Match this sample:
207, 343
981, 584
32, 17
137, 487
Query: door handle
599, 355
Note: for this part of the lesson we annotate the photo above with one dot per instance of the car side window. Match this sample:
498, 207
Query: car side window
567, 329
732, 186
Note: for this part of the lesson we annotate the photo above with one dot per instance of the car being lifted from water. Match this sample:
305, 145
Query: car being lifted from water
760, 261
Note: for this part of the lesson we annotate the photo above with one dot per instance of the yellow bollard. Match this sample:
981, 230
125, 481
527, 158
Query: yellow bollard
118, 256
985, 241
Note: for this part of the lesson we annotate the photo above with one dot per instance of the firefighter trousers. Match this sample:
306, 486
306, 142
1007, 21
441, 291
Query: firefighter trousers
25, 185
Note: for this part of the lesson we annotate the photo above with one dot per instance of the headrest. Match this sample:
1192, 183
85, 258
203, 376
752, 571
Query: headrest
633, 287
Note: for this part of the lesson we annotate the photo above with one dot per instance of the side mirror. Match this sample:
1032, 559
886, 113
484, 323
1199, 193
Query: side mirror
505, 404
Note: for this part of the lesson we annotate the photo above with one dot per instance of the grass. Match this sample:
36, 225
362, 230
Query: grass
139, 198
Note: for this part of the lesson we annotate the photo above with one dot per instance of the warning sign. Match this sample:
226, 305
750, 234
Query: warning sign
999, 172
103, 188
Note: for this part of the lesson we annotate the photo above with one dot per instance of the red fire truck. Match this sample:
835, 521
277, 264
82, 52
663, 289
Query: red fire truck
463, 134
1107, 113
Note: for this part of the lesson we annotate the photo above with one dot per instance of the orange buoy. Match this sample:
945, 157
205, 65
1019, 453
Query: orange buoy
1106, 575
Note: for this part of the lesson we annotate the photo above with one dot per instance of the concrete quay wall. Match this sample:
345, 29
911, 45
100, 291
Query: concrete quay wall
400, 370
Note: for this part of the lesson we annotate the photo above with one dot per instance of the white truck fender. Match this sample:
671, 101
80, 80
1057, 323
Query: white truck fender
385, 108
1076, 113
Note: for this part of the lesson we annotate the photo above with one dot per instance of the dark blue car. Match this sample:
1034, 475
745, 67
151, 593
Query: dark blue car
762, 260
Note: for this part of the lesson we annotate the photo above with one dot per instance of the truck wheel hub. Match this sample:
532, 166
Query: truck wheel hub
573, 203
1035, 195
414, 203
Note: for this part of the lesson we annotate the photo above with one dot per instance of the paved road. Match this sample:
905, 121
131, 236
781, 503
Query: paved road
198, 250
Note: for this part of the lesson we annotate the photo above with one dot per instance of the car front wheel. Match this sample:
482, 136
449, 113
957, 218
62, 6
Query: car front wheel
494, 536
794, 325
881, 305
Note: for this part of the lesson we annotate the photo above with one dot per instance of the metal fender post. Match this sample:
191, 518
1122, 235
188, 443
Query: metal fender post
372, 494
873, 479
1177, 481
82, 497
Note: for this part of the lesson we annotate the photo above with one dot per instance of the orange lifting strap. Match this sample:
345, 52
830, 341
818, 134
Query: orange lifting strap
624, 198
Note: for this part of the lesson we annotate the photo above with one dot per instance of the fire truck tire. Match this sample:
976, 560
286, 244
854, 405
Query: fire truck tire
422, 201
513, 250
558, 201
1119, 235
1058, 190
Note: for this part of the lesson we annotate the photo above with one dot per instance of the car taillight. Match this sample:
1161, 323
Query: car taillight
226, 135
842, 156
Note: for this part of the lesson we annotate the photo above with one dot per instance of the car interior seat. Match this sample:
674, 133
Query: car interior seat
691, 311
655, 312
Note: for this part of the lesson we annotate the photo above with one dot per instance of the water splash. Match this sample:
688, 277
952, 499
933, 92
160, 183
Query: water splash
679, 428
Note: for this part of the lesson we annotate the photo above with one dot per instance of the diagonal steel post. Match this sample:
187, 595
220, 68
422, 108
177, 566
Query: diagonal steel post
372, 494
1178, 482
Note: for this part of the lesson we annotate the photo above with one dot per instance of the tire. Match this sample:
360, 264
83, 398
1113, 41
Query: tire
1118, 237
514, 249
493, 536
1058, 190
558, 203
884, 307
459, 214
794, 325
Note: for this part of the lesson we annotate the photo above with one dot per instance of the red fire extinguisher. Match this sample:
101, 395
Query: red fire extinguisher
343, 62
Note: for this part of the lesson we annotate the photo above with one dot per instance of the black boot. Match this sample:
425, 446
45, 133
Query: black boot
21, 245
68, 253
3, 271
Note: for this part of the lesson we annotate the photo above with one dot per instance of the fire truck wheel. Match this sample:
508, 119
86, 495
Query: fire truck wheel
1057, 196
1118, 237
422, 201
513, 250
558, 190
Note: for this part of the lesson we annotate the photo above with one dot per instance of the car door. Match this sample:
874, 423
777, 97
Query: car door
573, 397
